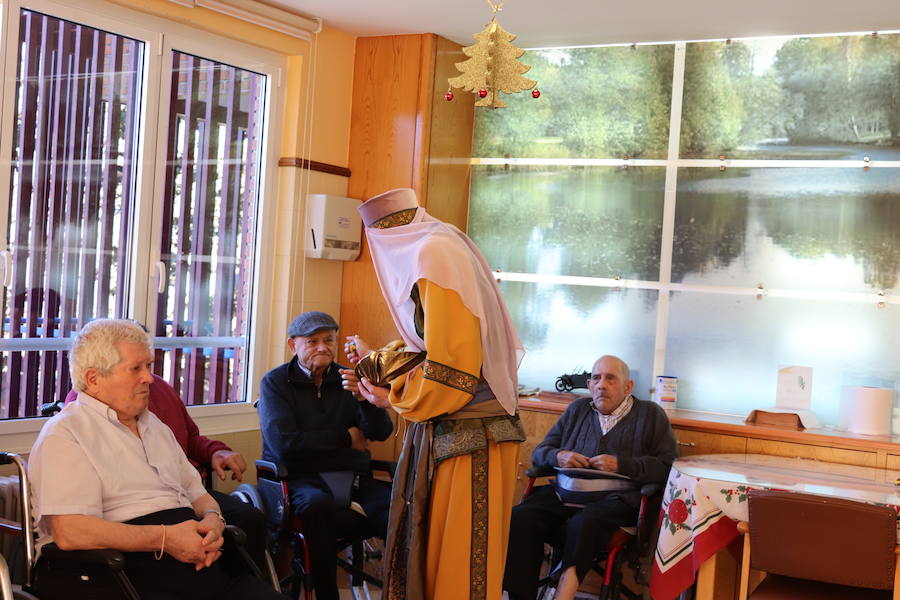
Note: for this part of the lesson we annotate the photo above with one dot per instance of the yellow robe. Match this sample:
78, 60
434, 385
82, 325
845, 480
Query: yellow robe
468, 522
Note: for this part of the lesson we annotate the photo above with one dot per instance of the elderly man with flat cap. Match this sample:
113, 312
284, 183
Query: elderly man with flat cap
318, 430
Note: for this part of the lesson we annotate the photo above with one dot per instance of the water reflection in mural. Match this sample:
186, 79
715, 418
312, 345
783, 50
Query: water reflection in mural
726, 350
588, 221
565, 328
813, 229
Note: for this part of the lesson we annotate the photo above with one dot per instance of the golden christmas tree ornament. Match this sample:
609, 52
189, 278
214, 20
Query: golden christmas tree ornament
493, 65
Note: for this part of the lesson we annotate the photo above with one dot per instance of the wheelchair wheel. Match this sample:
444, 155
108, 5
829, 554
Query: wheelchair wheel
363, 572
549, 574
249, 494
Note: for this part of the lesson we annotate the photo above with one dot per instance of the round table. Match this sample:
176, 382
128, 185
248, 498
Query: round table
706, 495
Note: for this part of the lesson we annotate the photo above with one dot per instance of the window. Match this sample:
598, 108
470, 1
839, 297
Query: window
709, 210
208, 227
136, 190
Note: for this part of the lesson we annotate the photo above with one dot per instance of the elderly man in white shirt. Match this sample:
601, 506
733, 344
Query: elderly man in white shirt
107, 473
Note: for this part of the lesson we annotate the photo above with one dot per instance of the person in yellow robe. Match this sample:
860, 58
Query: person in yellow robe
453, 490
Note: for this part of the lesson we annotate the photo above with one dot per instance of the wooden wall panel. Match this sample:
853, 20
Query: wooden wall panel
450, 141
383, 130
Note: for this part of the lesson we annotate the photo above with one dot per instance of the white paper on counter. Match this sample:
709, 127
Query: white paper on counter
794, 388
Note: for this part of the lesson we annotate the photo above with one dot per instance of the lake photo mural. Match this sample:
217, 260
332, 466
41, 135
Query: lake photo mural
750, 223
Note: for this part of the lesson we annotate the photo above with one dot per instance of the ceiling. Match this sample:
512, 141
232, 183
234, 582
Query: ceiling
539, 23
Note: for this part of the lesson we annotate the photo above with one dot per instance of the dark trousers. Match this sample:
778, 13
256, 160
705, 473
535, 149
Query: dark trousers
324, 523
581, 533
250, 520
169, 579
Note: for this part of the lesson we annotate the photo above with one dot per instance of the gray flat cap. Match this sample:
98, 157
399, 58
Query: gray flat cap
310, 322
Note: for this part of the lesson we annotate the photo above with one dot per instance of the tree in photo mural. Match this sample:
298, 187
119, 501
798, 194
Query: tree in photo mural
596, 102
712, 114
520, 131
847, 88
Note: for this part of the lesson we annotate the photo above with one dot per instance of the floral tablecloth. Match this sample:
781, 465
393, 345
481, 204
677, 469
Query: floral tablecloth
699, 514
693, 528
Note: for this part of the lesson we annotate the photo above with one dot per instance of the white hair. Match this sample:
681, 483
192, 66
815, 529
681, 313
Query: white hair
94, 347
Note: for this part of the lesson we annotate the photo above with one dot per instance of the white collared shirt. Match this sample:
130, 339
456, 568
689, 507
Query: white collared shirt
86, 462
609, 421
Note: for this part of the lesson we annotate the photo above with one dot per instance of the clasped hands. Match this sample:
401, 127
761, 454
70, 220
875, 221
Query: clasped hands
196, 542
601, 462
363, 389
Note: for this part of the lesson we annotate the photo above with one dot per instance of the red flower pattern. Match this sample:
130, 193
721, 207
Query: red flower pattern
678, 511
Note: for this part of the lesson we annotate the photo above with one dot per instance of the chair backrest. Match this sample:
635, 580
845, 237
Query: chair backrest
824, 539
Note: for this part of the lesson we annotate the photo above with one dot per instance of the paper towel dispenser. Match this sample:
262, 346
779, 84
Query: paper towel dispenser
333, 227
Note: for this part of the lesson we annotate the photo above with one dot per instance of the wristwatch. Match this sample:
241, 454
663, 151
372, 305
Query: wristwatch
218, 514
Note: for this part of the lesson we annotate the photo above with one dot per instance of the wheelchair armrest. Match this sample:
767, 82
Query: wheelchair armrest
235, 534
651, 499
49, 409
540, 472
267, 469
236, 540
113, 559
650, 489
387, 466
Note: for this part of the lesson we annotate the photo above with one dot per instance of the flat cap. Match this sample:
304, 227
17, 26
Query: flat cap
308, 323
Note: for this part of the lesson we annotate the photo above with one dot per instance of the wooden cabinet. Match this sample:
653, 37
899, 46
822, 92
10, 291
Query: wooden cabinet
823, 453
893, 462
699, 442
536, 426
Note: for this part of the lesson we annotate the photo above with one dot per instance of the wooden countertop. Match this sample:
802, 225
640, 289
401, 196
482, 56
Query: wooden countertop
695, 420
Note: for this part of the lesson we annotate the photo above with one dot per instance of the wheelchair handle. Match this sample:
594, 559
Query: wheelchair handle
7, 458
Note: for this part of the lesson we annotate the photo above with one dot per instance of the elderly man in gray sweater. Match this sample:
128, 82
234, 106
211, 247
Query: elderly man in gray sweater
611, 431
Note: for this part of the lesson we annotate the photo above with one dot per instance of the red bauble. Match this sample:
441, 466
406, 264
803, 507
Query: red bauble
482, 93
448, 96
535, 93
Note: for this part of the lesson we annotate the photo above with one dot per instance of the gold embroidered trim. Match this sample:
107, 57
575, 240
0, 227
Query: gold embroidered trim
467, 436
401, 217
395, 574
449, 376
478, 560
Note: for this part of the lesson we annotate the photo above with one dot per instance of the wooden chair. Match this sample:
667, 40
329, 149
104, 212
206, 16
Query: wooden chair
816, 548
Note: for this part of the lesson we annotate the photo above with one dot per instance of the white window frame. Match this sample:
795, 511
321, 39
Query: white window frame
161, 38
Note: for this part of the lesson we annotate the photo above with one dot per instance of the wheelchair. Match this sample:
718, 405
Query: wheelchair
629, 546
358, 556
76, 574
